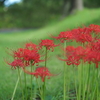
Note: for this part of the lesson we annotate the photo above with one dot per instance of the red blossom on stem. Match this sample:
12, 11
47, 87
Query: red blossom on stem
49, 44
43, 72
31, 46
93, 53
73, 55
64, 36
79, 34
31, 56
95, 28
16, 63
82, 35
28, 56
18, 54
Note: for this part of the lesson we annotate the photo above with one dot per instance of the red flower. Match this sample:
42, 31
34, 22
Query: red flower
43, 72
95, 28
95, 46
82, 35
92, 55
79, 34
16, 63
31, 46
49, 44
27, 55
84, 38
64, 36
18, 54
69, 50
31, 56
71, 60
84, 30
73, 55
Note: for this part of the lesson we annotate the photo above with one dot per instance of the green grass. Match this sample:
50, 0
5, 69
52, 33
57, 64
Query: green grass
8, 77
85, 17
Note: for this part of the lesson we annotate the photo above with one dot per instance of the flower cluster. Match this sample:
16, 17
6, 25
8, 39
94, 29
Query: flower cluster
86, 50
29, 56
82, 35
93, 53
91, 50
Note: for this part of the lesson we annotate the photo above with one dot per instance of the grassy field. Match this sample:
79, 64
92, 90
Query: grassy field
8, 77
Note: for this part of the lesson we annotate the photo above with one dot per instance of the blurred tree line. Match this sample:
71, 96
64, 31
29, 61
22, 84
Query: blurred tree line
37, 13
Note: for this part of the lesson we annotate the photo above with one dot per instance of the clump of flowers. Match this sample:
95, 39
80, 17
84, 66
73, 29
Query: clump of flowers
29, 56
87, 51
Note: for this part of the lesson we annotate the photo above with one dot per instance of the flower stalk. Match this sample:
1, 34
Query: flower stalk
64, 80
19, 75
44, 83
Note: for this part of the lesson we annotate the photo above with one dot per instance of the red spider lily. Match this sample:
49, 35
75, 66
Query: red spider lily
49, 44
84, 38
31, 46
27, 55
16, 63
43, 72
96, 59
64, 36
82, 35
18, 53
95, 46
74, 55
69, 50
92, 56
95, 28
72, 60
78, 51
84, 30
31, 56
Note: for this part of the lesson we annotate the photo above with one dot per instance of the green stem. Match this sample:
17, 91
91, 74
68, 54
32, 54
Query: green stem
80, 82
31, 83
97, 85
15, 88
64, 82
93, 80
44, 83
64, 79
88, 83
85, 80
41, 93
75, 82
19, 75
25, 86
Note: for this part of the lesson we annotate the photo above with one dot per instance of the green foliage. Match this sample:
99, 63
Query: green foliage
30, 14
92, 3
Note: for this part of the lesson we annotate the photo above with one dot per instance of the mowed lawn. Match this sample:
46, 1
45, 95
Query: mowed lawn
8, 77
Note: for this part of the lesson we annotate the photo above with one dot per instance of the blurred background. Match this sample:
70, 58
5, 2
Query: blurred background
33, 14
32, 20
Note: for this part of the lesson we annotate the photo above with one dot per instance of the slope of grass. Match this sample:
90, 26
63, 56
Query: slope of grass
80, 18
8, 77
